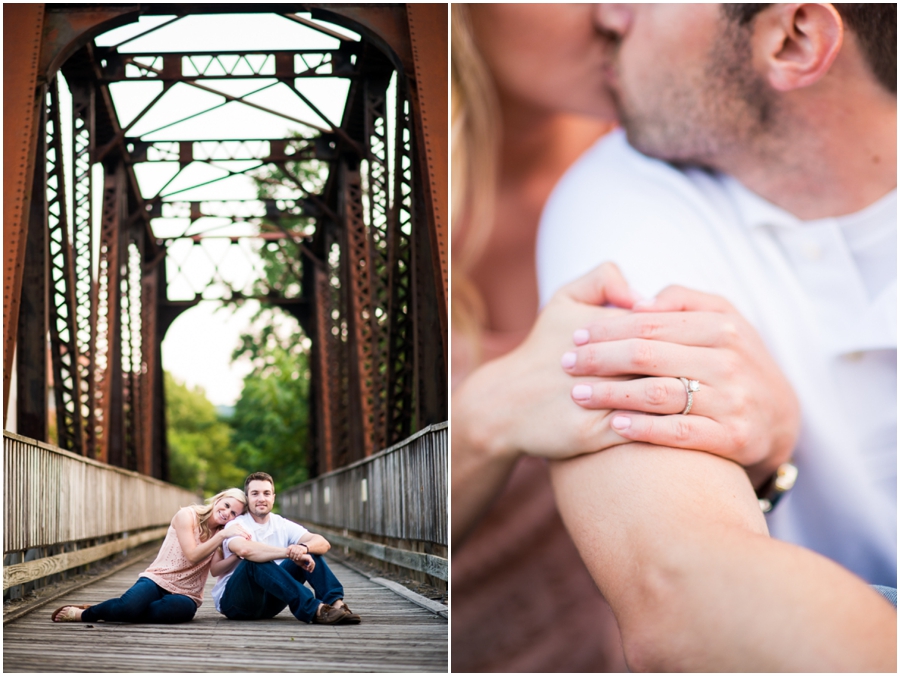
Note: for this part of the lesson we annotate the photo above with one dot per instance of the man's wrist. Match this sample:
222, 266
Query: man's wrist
778, 485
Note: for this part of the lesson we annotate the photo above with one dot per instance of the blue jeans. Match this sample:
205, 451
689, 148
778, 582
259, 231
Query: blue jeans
145, 603
890, 593
259, 591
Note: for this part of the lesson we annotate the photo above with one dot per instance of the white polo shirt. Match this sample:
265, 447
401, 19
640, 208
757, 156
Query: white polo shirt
277, 531
822, 294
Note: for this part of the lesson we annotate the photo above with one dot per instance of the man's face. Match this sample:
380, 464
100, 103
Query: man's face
260, 498
683, 79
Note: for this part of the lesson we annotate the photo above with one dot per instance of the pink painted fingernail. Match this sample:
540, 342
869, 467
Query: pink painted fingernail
581, 336
568, 360
582, 392
621, 422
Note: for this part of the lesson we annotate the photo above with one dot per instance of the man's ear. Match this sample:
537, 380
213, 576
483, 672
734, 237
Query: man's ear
798, 43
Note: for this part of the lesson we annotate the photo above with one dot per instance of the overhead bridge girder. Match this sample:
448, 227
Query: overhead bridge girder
190, 66
372, 274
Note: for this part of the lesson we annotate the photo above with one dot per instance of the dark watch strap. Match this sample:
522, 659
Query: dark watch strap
774, 489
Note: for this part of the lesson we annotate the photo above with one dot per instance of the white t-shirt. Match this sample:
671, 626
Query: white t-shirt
822, 294
277, 531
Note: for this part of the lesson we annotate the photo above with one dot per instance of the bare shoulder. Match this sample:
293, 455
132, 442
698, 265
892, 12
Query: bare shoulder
185, 517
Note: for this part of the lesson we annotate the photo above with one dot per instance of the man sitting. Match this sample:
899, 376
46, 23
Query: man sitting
260, 576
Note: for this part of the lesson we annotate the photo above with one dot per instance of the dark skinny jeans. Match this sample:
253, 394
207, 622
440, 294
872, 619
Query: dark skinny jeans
259, 591
145, 603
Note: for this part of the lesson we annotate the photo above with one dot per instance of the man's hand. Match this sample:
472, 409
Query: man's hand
299, 554
745, 410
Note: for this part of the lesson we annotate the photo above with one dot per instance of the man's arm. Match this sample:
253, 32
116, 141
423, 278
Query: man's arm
676, 542
257, 551
315, 544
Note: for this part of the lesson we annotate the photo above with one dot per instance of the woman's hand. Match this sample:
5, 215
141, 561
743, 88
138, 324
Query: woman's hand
745, 409
519, 402
232, 530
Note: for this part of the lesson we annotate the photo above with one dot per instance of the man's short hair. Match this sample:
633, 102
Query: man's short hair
258, 476
874, 24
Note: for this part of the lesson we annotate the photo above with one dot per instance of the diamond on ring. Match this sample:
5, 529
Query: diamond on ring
690, 386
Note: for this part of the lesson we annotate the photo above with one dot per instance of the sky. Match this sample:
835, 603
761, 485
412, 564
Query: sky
198, 346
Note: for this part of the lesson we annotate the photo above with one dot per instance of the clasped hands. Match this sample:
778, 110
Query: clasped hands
299, 554
621, 365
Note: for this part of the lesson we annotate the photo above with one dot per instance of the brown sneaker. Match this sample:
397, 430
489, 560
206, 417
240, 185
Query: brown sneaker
349, 616
328, 615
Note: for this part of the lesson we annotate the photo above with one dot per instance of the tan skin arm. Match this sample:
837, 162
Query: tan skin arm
222, 566
315, 543
185, 522
257, 551
676, 542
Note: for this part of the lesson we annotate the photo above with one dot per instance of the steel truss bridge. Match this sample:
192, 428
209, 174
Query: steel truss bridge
366, 277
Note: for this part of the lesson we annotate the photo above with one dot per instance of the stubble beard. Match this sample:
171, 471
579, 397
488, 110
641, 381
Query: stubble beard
707, 118
260, 515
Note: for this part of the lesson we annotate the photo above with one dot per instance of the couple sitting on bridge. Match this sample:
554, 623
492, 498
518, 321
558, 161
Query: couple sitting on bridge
261, 562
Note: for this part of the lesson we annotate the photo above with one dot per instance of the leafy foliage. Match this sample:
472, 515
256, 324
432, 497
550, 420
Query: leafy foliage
201, 456
271, 418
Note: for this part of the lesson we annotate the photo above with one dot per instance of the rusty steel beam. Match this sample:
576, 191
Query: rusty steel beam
132, 357
22, 108
211, 150
108, 371
323, 356
83, 135
244, 65
428, 41
356, 279
63, 332
31, 347
400, 356
148, 374
379, 203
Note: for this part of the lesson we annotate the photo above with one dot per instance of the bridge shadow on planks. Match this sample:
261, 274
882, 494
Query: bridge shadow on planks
395, 635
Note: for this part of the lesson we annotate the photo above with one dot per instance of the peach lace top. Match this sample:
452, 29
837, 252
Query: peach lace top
173, 572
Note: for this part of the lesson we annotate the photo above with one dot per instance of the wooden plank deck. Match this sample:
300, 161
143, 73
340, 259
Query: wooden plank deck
396, 635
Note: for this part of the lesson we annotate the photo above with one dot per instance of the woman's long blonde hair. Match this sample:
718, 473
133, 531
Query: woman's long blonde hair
204, 511
474, 150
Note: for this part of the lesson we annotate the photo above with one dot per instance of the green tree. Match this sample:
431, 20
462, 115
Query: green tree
201, 455
270, 419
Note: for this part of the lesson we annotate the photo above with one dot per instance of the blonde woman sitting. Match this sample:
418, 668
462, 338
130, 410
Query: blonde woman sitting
171, 589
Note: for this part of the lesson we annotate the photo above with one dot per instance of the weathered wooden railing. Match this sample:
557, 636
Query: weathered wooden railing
391, 506
58, 506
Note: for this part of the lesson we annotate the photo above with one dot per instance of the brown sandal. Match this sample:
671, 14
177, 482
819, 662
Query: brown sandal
61, 614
